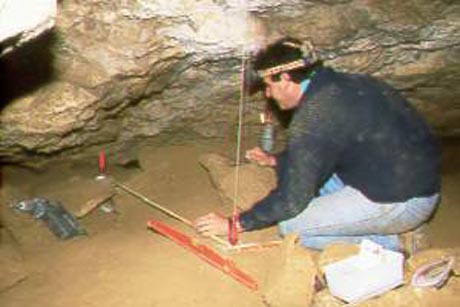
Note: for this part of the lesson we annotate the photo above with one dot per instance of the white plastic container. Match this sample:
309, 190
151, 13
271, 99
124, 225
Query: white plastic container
373, 271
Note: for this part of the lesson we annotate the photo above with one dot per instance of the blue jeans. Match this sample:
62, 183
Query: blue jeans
343, 214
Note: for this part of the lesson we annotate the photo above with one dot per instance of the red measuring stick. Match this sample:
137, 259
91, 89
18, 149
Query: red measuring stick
206, 253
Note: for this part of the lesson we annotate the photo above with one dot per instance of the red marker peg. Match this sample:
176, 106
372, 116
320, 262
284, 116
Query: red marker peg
232, 229
101, 165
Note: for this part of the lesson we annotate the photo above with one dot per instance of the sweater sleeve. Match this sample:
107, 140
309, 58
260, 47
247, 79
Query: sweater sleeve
316, 141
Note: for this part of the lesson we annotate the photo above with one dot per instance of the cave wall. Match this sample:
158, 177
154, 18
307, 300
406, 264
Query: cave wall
117, 72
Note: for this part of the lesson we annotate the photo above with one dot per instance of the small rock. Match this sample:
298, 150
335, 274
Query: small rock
291, 281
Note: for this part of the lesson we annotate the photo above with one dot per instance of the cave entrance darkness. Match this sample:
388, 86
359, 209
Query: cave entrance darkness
27, 68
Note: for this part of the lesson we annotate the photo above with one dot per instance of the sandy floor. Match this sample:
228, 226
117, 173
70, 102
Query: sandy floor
121, 262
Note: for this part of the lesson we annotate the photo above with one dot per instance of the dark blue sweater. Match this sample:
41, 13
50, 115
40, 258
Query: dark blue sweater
359, 128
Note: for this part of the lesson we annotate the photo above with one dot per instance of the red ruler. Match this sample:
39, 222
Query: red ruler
204, 252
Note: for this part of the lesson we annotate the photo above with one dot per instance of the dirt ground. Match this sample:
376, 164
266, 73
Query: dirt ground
122, 263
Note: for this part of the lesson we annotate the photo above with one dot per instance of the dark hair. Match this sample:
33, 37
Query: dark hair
283, 51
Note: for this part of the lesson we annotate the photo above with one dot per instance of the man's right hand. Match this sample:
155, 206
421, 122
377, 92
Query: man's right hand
260, 157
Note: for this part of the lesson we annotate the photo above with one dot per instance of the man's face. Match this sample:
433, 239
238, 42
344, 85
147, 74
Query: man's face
282, 91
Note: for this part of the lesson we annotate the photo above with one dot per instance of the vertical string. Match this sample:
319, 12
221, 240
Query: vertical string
233, 232
233, 235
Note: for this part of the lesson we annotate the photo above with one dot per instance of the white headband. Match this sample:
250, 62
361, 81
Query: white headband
283, 67
309, 57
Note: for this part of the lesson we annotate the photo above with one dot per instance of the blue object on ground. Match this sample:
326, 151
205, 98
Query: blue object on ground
61, 222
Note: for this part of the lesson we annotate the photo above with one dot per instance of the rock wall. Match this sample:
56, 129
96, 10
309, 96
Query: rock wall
123, 71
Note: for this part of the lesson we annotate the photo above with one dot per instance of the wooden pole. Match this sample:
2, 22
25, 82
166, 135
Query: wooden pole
164, 210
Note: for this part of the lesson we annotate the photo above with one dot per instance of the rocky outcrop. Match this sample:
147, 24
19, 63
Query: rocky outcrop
117, 72
256, 182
